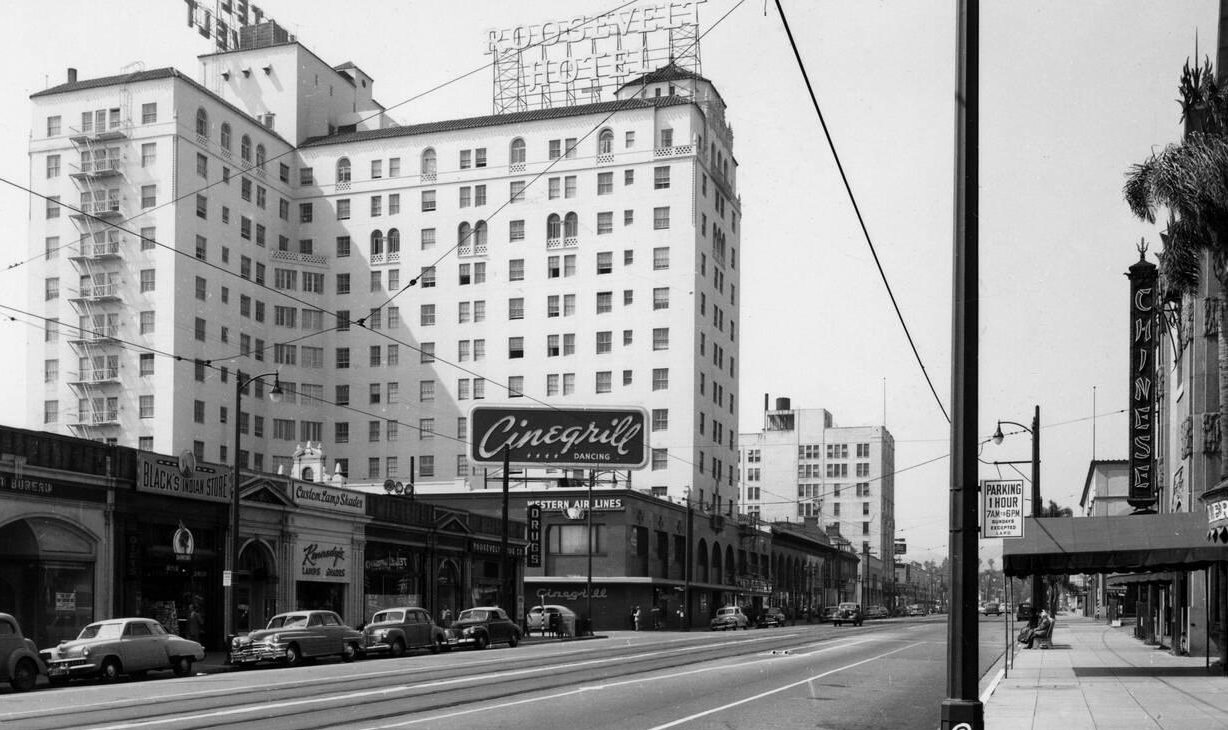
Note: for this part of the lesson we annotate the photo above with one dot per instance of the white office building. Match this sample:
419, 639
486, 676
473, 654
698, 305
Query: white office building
803, 468
272, 217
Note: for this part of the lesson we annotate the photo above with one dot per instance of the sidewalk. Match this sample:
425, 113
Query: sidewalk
1097, 676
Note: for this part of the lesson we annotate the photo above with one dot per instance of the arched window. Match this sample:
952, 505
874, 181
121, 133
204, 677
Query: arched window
571, 226
605, 142
463, 232
554, 226
226, 136
428, 161
260, 156
517, 152
479, 234
394, 241
343, 170
245, 148
701, 558
730, 566
202, 122
377, 242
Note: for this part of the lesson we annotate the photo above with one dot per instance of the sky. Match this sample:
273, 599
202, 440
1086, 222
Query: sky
1071, 95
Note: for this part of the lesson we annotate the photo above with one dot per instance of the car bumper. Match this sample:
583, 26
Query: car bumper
64, 668
257, 653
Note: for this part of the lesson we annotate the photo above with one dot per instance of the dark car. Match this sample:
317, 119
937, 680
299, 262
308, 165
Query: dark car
830, 613
771, 616
396, 630
992, 607
20, 663
849, 613
1025, 611
482, 626
108, 649
297, 635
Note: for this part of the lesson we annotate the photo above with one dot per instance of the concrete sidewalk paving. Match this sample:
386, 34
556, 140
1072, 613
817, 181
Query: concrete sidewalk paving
1097, 676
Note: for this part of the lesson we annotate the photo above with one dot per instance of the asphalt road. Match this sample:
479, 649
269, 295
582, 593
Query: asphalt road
885, 674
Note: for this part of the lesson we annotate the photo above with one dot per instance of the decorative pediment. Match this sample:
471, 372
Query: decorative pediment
452, 523
265, 491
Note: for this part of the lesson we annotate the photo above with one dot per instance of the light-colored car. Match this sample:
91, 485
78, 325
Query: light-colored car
294, 636
539, 617
730, 617
20, 663
397, 630
916, 610
992, 607
109, 649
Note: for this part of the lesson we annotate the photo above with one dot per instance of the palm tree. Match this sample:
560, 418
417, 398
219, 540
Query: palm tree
1055, 582
1189, 181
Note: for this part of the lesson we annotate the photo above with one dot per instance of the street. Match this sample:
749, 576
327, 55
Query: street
885, 674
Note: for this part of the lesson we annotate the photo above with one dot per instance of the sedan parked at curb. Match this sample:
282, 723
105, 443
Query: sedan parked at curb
830, 613
848, 613
20, 663
397, 630
482, 626
877, 612
771, 616
108, 649
730, 617
297, 635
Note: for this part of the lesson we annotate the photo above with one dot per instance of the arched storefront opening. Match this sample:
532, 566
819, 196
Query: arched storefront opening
255, 587
47, 577
449, 589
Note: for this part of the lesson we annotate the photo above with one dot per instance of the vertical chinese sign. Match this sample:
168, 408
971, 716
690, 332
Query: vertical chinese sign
1143, 277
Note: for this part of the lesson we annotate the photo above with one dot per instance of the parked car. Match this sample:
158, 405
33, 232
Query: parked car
297, 635
108, 649
540, 618
771, 616
877, 611
1024, 612
916, 610
992, 607
482, 626
397, 630
830, 613
20, 663
730, 617
849, 613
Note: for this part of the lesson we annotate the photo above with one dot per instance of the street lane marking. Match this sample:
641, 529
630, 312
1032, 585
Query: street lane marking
402, 688
770, 692
609, 685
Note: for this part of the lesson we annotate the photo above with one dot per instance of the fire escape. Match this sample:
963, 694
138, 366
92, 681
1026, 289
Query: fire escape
98, 260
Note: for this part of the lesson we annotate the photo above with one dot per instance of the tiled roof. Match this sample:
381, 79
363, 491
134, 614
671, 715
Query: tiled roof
668, 72
492, 120
132, 78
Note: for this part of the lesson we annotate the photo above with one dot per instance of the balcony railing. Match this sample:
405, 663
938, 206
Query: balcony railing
103, 418
103, 375
99, 291
104, 334
515, 167
428, 177
303, 258
97, 250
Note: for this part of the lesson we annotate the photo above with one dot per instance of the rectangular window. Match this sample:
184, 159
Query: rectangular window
343, 283
479, 195
516, 231
660, 297
555, 146
394, 167
515, 270
427, 315
515, 308
343, 358
569, 186
149, 113
148, 279
660, 258
605, 342
394, 203
53, 165
660, 378
305, 176
605, 302
660, 338
428, 200
149, 196
53, 206
377, 169
516, 191
605, 262
428, 238
660, 177
605, 222
306, 212
53, 126
603, 383
660, 218
202, 207
660, 419
466, 196
605, 183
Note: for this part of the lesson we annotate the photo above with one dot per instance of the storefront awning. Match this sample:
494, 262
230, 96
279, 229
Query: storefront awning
1141, 578
1127, 544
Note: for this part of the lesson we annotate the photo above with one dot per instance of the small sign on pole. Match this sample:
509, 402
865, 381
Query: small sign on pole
227, 578
1002, 508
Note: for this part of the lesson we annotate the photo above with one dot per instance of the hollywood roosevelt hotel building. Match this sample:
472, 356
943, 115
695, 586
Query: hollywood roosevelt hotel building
273, 213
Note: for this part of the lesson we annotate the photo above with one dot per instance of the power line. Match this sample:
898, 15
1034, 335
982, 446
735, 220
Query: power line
856, 209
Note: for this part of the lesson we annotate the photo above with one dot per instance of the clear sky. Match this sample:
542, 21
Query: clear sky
1071, 95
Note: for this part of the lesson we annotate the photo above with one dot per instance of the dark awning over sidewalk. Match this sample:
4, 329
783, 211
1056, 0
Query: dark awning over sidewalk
1128, 544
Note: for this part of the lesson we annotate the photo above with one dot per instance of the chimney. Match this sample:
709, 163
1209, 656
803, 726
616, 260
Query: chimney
765, 402
72, 75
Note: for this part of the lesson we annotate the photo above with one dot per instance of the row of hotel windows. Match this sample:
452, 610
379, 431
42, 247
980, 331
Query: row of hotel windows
814, 451
477, 157
806, 471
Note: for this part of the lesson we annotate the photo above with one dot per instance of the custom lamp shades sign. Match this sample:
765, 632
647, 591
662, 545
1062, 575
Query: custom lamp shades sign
613, 438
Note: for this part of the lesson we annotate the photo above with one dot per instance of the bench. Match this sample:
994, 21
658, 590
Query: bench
1044, 636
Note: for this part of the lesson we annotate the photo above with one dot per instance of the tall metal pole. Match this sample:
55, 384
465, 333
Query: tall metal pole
962, 707
506, 594
232, 551
1038, 582
588, 586
690, 558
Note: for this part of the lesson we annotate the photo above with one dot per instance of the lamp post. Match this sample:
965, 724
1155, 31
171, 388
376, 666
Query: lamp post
232, 553
1038, 586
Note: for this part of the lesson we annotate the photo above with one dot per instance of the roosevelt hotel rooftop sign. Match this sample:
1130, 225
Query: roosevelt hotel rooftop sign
561, 437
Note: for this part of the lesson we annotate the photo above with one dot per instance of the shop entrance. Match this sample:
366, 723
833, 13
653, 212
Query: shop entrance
255, 587
449, 595
47, 578
320, 596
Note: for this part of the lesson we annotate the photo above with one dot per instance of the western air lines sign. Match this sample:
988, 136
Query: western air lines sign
564, 437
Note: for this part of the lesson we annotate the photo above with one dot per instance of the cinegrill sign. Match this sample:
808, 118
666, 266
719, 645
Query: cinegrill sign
575, 437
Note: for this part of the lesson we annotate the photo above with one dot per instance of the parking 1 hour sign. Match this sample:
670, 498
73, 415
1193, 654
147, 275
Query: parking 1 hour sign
1002, 508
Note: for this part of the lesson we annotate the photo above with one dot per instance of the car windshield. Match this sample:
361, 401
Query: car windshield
473, 614
385, 617
289, 621
101, 631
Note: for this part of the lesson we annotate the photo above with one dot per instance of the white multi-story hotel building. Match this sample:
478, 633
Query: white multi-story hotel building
272, 217
802, 466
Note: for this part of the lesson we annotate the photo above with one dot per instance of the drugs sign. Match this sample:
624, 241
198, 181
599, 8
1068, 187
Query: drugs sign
1002, 505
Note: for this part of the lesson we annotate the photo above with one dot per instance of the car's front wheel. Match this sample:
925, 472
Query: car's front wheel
183, 666
293, 657
513, 640
480, 641
110, 670
25, 675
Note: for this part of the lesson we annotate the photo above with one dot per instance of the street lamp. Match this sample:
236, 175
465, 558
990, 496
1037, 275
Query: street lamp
232, 554
1038, 586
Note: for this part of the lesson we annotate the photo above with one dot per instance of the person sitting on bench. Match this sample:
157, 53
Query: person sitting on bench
1043, 632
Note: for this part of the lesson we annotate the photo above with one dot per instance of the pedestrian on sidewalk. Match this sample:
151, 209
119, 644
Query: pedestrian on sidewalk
635, 618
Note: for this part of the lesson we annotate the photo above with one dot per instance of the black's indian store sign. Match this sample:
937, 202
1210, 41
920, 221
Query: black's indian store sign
183, 477
563, 437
